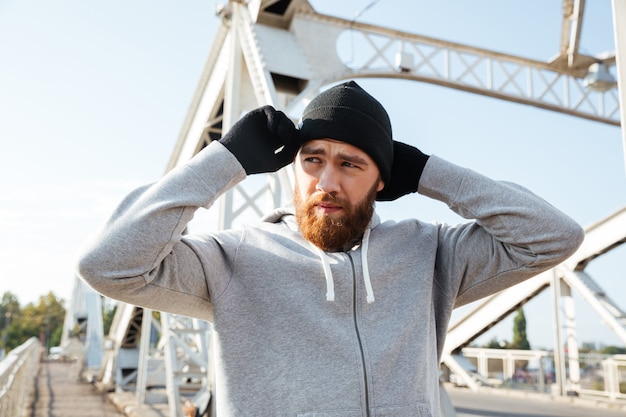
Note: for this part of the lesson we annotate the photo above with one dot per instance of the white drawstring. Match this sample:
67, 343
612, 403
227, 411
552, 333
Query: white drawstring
328, 275
330, 285
366, 272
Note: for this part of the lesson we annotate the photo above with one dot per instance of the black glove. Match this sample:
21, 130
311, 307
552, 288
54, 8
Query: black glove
408, 164
255, 139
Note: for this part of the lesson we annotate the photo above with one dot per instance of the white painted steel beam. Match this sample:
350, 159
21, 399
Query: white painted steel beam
85, 313
491, 310
311, 47
573, 11
552, 86
610, 313
600, 237
121, 346
619, 30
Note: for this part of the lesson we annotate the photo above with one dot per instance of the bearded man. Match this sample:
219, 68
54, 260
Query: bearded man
321, 309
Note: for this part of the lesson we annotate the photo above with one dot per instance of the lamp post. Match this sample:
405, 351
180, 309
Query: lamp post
46, 323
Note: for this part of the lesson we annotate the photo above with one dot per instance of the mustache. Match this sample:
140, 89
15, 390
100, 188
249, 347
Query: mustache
327, 198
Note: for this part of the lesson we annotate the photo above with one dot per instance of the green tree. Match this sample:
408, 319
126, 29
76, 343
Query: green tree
108, 312
9, 311
493, 344
613, 350
520, 341
8, 306
43, 320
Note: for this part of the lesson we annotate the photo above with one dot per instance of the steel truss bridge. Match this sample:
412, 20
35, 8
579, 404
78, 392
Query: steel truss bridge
283, 52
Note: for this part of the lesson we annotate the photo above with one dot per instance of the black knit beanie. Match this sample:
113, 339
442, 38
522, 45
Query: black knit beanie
349, 114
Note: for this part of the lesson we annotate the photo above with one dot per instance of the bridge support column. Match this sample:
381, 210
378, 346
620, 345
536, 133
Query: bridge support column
565, 349
619, 28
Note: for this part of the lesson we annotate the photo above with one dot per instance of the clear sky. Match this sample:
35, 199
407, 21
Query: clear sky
93, 95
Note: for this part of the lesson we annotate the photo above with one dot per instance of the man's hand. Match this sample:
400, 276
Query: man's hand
263, 140
408, 164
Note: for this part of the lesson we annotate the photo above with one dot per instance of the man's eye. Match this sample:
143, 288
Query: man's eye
349, 165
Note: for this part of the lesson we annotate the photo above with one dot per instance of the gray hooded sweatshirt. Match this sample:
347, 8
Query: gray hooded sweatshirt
305, 333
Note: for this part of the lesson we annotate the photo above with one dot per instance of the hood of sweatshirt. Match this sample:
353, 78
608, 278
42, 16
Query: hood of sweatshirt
287, 216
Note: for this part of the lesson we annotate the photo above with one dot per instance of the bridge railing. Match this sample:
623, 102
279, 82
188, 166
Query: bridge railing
17, 375
611, 379
601, 375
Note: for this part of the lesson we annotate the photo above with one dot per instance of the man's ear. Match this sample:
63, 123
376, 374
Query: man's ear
381, 185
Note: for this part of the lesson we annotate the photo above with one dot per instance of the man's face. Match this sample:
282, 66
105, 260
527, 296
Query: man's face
336, 186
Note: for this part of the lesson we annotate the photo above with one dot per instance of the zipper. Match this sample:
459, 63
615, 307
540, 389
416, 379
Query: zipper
358, 335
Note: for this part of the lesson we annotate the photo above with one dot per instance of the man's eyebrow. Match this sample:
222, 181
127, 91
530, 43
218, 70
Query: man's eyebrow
312, 150
357, 159
320, 150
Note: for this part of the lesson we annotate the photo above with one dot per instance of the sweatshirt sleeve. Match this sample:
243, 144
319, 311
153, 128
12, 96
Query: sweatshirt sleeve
140, 255
515, 234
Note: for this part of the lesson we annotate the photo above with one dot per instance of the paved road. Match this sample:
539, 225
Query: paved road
469, 404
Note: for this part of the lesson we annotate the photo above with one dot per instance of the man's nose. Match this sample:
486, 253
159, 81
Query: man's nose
328, 180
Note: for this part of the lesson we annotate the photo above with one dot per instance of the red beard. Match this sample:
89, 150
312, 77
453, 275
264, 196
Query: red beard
334, 233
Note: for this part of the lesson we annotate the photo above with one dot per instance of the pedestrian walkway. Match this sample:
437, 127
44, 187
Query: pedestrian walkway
60, 392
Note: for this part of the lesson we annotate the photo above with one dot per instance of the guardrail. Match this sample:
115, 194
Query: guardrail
17, 375
612, 383
601, 375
